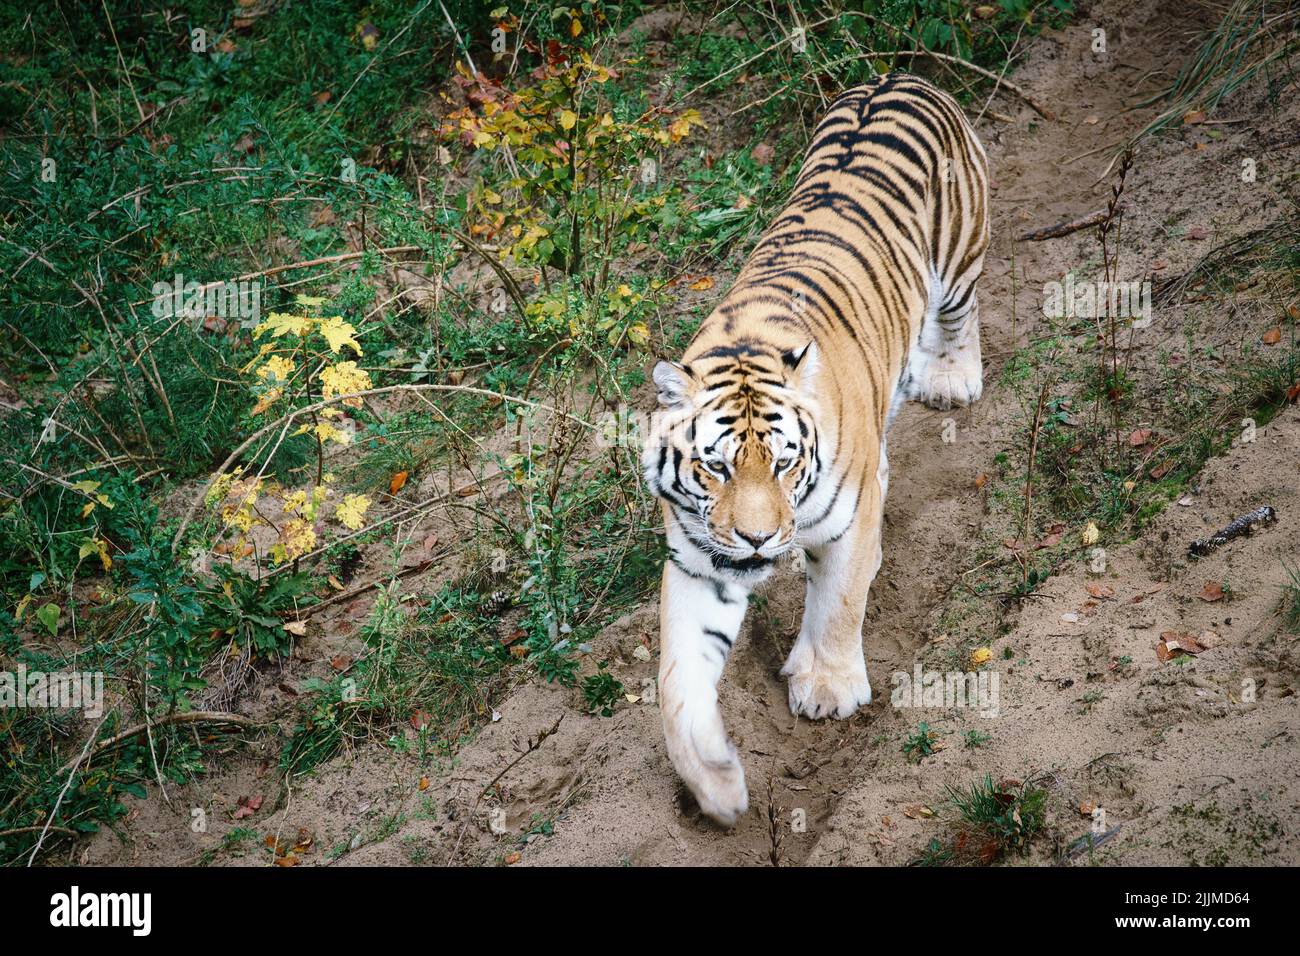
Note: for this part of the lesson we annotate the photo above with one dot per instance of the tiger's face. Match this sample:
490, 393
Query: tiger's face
733, 451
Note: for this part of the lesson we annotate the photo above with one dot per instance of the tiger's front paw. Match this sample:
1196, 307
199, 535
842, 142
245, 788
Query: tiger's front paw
708, 763
826, 692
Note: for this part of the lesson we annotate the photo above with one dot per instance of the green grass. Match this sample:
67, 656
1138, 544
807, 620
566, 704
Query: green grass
993, 821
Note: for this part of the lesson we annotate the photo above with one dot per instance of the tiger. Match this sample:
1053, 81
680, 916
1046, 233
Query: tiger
769, 436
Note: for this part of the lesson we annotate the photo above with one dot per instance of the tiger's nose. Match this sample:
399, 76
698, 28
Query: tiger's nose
757, 538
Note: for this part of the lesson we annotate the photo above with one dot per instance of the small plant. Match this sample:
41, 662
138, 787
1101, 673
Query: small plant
921, 744
994, 820
975, 738
601, 691
1090, 700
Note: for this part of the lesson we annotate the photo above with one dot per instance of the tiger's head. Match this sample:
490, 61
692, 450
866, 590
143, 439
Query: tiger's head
733, 450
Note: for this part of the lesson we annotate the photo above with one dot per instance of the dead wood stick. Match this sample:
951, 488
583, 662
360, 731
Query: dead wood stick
1065, 228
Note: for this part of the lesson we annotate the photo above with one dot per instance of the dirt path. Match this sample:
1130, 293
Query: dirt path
850, 784
601, 790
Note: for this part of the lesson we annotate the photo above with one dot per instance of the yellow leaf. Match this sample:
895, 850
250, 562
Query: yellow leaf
568, 119
575, 28
351, 511
1090, 533
297, 538
981, 655
282, 323
338, 334
267, 399
344, 379
278, 368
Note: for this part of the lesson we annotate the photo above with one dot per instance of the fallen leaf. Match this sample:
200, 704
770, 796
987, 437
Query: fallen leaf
341, 662
1139, 437
512, 858
1173, 643
1273, 335
980, 481
981, 655
1090, 533
297, 628
1053, 538
1213, 591
334, 582
1198, 233
397, 482
917, 811
248, 806
641, 652
1102, 592
1193, 117
702, 284
423, 784
762, 154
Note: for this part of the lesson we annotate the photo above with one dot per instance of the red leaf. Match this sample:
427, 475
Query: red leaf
1213, 591
248, 806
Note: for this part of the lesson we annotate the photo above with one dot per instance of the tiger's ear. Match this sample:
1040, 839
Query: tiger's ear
673, 382
803, 364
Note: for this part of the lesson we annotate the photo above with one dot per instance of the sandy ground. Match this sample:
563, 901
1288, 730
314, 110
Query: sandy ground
1180, 759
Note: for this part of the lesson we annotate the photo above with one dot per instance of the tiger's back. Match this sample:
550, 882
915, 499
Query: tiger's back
771, 434
885, 230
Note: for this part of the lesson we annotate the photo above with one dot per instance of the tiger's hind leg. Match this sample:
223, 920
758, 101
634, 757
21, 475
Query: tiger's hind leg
945, 369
